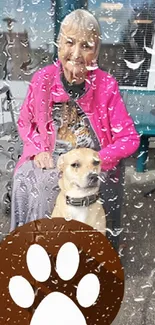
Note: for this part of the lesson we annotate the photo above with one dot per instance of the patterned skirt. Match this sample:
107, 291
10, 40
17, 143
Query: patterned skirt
34, 193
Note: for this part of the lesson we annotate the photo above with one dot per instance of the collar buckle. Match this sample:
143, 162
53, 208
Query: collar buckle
86, 201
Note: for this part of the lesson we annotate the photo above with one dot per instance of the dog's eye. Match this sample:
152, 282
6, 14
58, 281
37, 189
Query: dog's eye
96, 162
75, 165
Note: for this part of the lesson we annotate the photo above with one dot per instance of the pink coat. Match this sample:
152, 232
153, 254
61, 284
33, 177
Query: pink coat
101, 103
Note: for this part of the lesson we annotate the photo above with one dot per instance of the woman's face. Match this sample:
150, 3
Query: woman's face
76, 52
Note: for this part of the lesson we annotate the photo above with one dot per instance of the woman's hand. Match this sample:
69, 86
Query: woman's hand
44, 160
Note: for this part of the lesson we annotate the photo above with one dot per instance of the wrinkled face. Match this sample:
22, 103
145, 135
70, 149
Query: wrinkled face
76, 51
80, 169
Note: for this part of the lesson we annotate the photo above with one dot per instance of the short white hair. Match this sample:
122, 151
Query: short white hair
85, 22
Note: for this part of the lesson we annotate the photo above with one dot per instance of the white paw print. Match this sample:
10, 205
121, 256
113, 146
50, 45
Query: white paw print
56, 308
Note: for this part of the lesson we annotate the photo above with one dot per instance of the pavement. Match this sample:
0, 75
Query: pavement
137, 241
138, 256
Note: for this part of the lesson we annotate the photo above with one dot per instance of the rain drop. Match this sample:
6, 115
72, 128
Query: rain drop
23, 187
10, 166
35, 2
11, 149
35, 192
139, 299
51, 12
134, 217
68, 218
20, 6
115, 232
139, 205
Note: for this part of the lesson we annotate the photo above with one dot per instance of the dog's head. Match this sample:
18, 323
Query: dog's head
80, 169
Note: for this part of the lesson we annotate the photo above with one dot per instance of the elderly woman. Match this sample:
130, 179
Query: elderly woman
69, 104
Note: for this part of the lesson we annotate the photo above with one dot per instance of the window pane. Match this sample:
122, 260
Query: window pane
127, 39
26, 37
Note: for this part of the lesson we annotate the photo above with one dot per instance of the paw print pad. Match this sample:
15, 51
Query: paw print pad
67, 263
59, 272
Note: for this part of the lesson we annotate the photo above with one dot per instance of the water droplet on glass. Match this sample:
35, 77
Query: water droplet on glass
100, 253
11, 149
30, 176
52, 176
139, 205
23, 187
134, 217
137, 178
6, 199
51, 12
55, 281
47, 215
68, 218
106, 35
8, 186
115, 232
118, 129
35, 2
20, 6
10, 166
139, 299
35, 192
49, 200
33, 17
114, 198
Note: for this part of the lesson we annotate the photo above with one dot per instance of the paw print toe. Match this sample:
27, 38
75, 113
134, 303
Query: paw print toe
67, 261
38, 263
88, 290
21, 291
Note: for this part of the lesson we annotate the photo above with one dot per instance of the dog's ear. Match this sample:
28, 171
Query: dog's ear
97, 159
60, 163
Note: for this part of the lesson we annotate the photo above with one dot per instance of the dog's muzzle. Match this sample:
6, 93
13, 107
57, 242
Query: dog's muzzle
82, 202
92, 179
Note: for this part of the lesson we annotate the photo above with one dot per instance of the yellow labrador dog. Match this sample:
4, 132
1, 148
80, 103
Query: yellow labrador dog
79, 188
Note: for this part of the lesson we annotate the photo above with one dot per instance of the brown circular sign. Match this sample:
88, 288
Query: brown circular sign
31, 277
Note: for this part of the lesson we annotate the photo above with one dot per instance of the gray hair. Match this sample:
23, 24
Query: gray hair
85, 22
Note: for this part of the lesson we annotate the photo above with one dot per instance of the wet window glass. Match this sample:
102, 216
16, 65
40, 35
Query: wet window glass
26, 37
128, 40
27, 44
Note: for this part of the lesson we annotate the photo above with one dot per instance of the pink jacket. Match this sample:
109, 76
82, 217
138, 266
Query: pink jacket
101, 103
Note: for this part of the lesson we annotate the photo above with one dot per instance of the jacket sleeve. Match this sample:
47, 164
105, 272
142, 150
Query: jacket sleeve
27, 127
125, 139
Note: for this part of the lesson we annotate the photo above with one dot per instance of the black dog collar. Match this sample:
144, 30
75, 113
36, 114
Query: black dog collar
82, 202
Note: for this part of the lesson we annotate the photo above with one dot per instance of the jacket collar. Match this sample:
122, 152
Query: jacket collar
59, 94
